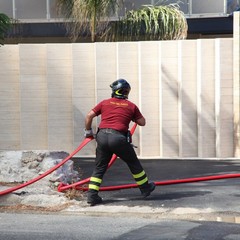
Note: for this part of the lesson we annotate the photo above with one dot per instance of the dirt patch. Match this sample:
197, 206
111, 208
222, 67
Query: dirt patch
28, 208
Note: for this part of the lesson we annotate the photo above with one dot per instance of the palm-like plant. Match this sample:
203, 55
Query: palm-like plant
5, 23
165, 22
87, 14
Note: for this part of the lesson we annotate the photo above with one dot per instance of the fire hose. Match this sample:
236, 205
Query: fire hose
83, 144
9, 190
78, 185
168, 182
62, 187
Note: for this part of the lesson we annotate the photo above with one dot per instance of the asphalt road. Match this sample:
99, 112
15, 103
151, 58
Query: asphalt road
77, 227
192, 211
221, 196
55, 226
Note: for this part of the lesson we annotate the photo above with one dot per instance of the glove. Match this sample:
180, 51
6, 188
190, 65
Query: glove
88, 133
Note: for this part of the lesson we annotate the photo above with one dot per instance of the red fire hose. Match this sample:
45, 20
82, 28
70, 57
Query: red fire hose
168, 182
84, 143
78, 185
62, 187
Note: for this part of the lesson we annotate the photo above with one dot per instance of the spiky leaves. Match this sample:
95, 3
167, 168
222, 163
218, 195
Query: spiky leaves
150, 23
85, 15
5, 23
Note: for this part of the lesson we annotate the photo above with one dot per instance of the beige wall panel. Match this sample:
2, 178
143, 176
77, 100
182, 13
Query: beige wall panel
236, 80
170, 144
169, 49
9, 95
66, 67
9, 127
189, 127
32, 59
227, 72
32, 51
189, 75
59, 52
206, 98
188, 49
84, 87
37, 105
9, 60
189, 97
128, 68
10, 142
9, 105
46, 95
10, 81
60, 85
84, 92
226, 92
106, 69
9, 98
81, 106
33, 86
170, 98
59, 82
33, 96
128, 56
168, 114
227, 100
228, 83
171, 130
149, 65
33, 128
169, 70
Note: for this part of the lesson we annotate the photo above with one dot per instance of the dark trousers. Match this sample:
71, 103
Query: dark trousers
112, 142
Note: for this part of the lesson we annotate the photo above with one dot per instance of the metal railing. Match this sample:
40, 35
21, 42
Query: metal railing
45, 10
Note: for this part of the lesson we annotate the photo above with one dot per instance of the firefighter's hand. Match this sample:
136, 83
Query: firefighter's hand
88, 133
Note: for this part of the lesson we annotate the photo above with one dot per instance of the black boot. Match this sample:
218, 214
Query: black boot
93, 198
146, 190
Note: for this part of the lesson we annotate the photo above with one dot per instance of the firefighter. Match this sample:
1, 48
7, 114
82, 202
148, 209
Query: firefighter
113, 137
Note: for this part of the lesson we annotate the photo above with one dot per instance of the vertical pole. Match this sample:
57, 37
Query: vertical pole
225, 7
48, 16
14, 9
190, 7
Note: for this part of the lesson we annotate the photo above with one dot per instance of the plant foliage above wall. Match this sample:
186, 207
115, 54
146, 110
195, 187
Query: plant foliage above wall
150, 23
87, 16
92, 18
5, 23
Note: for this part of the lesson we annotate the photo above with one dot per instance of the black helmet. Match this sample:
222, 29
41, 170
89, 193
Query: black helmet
120, 88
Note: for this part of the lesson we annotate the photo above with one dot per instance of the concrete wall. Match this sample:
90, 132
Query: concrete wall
185, 89
236, 83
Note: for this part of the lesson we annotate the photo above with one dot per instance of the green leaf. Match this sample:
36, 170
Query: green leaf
5, 24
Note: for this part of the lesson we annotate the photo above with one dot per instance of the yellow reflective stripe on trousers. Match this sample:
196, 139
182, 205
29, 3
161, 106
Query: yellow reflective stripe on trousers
139, 175
94, 187
142, 181
94, 179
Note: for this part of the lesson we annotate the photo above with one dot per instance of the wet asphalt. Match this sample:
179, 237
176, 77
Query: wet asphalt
212, 206
220, 195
